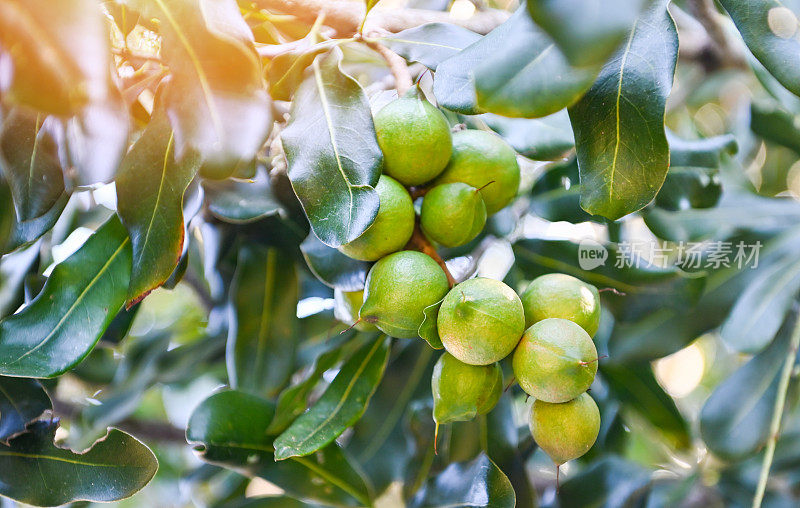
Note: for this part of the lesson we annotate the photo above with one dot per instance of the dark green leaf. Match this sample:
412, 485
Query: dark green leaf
216, 99
242, 202
150, 188
430, 44
228, 429
30, 162
14, 268
64, 322
735, 420
545, 138
476, 483
619, 124
293, 400
689, 188
263, 332
60, 53
21, 402
635, 386
773, 122
332, 267
26, 232
506, 450
768, 28
560, 205
333, 154
340, 406
608, 483
703, 153
526, 75
37, 472
586, 31
760, 309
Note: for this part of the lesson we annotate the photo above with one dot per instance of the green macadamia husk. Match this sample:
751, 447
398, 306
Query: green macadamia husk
557, 295
453, 214
567, 430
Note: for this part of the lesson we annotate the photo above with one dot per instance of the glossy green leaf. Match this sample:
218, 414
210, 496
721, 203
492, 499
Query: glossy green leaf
150, 188
622, 149
293, 400
286, 70
333, 154
30, 161
115, 467
636, 388
80, 299
340, 406
760, 309
21, 402
476, 483
526, 74
332, 267
773, 122
703, 153
14, 268
428, 329
611, 481
430, 44
586, 31
227, 429
547, 138
769, 27
689, 188
509, 446
263, 333
735, 420
216, 99
242, 202
63, 70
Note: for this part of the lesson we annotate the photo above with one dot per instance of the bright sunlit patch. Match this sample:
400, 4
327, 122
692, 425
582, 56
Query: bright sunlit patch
782, 22
462, 9
681, 372
62, 251
258, 487
313, 305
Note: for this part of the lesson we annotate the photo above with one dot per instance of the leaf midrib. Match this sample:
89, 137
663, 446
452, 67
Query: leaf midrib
616, 109
64, 459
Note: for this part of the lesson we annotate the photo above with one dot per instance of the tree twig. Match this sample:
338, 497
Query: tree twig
777, 414
397, 66
419, 243
346, 16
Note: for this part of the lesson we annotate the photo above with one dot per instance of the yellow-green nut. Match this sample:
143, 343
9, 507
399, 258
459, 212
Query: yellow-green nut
557, 295
567, 430
484, 161
346, 306
461, 391
393, 225
398, 288
480, 321
453, 214
555, 361
414, 137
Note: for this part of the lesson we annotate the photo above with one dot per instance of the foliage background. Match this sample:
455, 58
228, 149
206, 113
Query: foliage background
699, 362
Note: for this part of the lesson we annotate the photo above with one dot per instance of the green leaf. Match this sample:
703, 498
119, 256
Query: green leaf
333, 154
150, 188
14, 268
773, 122
760, 309
610, 481
332, 267
586, 31
59, 52
735, 420
216, 100
430, 44
476, 483
80, 299
428, 329
115, 467
21, 402
30, 161
689, 188
242, 202
526, 74
545, 138
635, 386
293, 400
340, 406
703, 153
622, 149
263, 332
768, 27
286, 70
227, 429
